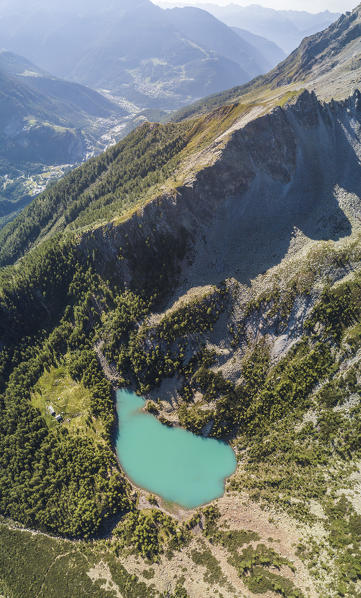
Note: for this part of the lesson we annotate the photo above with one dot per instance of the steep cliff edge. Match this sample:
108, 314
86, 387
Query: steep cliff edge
234, 206
236, 216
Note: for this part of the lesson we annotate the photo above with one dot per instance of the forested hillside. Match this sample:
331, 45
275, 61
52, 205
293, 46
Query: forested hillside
110, 184
212, 266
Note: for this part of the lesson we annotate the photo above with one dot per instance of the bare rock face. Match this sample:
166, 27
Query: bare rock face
236, 216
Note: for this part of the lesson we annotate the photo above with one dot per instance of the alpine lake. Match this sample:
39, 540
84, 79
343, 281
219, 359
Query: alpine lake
174, 464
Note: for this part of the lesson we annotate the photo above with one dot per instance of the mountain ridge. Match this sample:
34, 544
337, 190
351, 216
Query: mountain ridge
274, 53
286, 28
338, 80
121, 287
149, 216
47, 99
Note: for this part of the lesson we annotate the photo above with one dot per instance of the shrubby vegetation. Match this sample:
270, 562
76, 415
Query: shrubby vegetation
36, 566
342, 545
257, 565
263, 394
338, 309
149, 533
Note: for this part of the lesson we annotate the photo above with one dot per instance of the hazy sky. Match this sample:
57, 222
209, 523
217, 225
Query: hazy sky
309, 5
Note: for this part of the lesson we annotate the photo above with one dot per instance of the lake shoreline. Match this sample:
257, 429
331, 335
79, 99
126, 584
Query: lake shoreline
196, 469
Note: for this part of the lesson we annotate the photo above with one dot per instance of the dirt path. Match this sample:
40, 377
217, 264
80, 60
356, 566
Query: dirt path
60, 556
109, 372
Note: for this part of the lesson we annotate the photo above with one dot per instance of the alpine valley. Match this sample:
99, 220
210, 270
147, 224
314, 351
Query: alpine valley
212, 265
46, 126
142, 60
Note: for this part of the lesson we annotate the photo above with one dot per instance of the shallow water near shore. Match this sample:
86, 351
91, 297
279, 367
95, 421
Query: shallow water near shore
171, 462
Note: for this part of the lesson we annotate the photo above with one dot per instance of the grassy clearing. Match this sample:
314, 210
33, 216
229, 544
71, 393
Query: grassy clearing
69, 399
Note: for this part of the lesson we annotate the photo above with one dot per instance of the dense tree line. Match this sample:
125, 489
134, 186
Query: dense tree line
50, 306
152, 352
50, 479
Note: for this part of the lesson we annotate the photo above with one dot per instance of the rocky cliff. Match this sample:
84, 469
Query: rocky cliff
236, 216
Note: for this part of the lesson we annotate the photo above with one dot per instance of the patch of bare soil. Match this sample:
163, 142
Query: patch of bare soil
275, 530
237, 513
101, 572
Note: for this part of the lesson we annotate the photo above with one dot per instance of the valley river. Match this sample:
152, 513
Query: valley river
173, 463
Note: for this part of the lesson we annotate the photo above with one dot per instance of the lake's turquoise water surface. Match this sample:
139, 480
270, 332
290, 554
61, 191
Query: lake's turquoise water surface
173, 463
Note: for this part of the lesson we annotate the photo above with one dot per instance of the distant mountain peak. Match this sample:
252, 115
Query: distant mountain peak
286, 28
335, 50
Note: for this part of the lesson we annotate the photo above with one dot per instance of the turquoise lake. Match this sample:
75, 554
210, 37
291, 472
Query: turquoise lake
173, 463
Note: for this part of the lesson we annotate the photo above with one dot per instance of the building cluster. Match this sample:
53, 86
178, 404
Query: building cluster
53, 413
